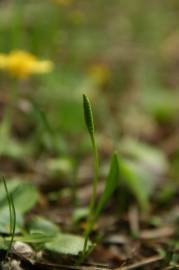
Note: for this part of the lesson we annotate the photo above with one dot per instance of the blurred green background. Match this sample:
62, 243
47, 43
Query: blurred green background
123, 54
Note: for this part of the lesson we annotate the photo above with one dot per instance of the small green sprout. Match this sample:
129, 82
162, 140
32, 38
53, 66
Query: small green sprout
88, 115
111, 180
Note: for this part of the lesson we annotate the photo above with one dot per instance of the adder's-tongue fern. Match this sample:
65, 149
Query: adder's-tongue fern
88, 115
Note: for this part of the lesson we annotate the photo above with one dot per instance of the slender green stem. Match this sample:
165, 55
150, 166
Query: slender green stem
12, 213
9, 204
91, 220
14, 223
96, 177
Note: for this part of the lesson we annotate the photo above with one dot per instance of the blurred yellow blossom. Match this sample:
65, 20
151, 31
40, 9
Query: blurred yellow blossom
100, 73
22, 64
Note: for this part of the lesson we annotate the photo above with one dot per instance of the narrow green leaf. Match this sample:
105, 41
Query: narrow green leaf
12, 213
110, 184
9, 204
13, 230
88, 115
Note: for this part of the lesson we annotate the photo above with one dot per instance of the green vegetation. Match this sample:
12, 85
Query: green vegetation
73, 199
111, 180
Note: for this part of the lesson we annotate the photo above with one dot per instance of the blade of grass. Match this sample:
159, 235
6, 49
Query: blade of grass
12, 214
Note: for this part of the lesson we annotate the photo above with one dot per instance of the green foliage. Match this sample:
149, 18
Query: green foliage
41, 232
148, 156
88, 115
131, 176
141, 170
67, 244
111, 182
44, 234
41, 225
24, 195
5, 221
140, 90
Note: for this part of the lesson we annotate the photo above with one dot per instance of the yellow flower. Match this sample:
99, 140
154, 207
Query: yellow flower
22, 64
100, 73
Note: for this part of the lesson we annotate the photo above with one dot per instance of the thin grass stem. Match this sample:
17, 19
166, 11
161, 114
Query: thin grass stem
12, 214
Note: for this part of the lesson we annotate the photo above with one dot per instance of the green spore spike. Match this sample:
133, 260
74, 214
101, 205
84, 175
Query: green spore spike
88, 115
